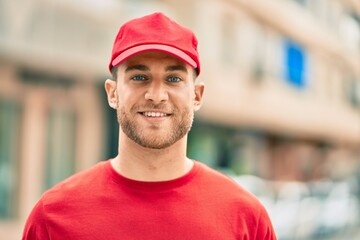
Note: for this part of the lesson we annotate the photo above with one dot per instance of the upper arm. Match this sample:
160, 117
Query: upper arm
265, 229
35, 227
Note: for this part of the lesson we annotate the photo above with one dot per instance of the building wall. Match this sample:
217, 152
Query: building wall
255, 78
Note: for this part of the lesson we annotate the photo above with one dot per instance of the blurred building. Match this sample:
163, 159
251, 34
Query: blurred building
282, 96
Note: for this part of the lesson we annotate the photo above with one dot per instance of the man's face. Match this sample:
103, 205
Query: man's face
156, 99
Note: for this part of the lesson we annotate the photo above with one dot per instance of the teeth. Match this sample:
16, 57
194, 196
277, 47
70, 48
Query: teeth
154, 114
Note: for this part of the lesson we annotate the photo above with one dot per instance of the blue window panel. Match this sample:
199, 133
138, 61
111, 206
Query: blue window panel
295, 64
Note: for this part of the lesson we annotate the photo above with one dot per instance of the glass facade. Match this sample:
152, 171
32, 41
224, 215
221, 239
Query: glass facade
60, 160
230, 150
10, 115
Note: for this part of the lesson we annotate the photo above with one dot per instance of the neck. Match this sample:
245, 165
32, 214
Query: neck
144, 164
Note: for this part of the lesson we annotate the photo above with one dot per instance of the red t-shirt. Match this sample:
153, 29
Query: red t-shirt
101, 204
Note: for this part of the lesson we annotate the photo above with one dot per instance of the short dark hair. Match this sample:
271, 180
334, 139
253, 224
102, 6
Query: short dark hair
114, 73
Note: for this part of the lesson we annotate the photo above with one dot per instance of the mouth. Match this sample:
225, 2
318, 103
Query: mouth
155, 114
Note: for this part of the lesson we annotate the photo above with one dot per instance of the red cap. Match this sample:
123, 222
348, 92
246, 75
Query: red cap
155, 32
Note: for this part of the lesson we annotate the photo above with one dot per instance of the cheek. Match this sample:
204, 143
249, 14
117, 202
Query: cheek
126, 98
187, 100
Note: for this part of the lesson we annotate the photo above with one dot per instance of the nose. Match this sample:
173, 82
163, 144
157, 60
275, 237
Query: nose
156, 92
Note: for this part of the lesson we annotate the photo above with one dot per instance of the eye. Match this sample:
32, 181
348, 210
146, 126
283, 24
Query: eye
139, 78
174, 79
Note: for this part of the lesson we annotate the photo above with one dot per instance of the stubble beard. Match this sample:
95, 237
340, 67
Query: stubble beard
181, 123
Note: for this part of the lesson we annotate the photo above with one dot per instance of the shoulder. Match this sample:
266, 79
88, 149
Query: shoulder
230, 194
76, 185
35, 226
226, 187
232, 197
63, 200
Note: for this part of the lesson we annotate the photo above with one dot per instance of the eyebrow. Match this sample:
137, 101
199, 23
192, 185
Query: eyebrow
176, 68
137, 67
142, 67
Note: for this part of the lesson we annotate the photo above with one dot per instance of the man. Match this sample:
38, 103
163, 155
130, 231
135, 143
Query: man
151, 190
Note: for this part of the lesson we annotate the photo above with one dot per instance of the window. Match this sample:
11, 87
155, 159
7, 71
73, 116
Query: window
229, 45
272, 41
230, 150
295, 64
9, 144
138, 8
353, 91
258, 49
61, 145
202, 145
3, 20
301, 2
350, 32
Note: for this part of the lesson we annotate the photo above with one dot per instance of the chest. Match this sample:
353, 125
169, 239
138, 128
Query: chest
147, 216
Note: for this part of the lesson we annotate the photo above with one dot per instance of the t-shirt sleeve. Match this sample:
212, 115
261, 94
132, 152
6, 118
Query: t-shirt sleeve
35, 227
265, 229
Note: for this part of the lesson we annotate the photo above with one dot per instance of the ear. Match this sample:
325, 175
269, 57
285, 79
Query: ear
110, 88
199, 91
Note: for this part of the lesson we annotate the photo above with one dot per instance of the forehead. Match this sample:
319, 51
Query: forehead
154, 57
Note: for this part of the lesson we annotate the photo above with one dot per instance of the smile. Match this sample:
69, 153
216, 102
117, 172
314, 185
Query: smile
154, 114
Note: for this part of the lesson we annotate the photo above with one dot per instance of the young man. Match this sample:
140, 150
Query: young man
151, 190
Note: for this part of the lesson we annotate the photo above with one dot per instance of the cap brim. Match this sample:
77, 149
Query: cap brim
156, 47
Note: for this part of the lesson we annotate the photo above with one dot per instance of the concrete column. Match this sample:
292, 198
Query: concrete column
89, 130
33, 149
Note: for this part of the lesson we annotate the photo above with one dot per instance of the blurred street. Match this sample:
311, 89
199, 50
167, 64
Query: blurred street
318, 210
351, 235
